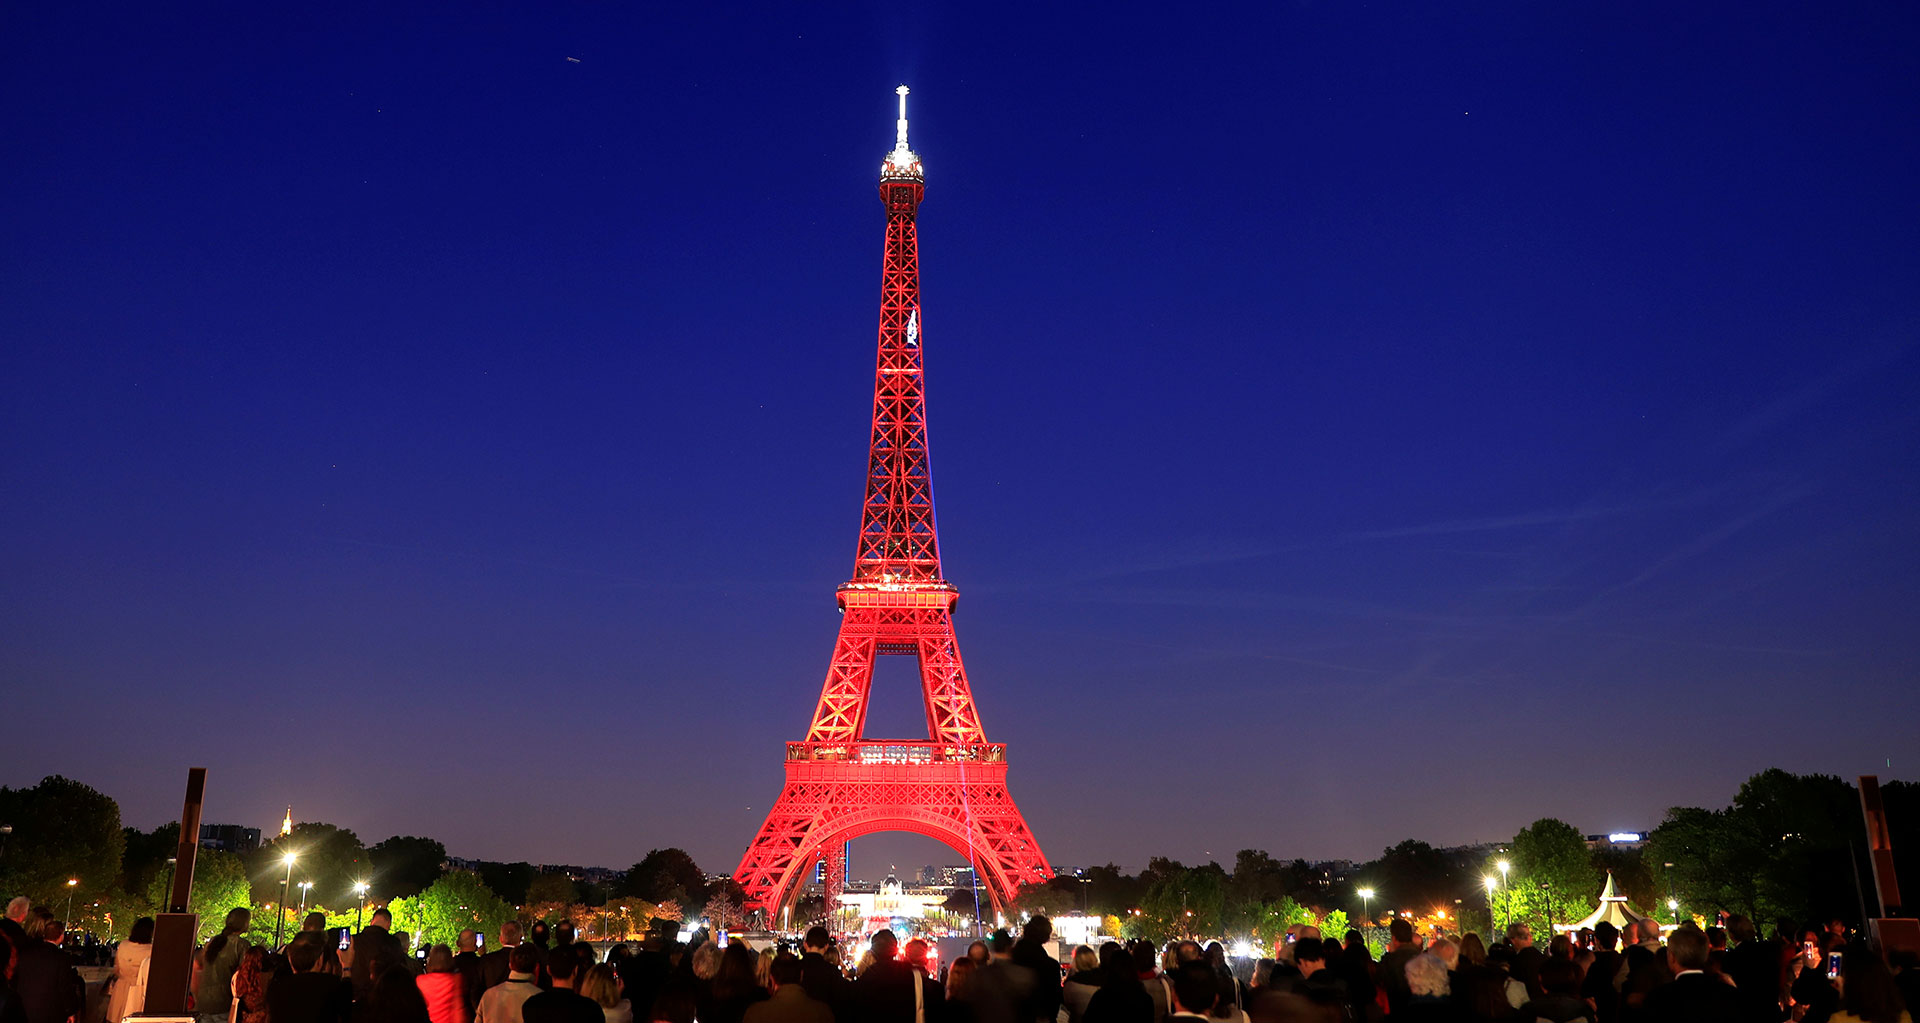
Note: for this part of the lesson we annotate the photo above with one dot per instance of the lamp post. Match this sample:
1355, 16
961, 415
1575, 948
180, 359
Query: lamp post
1673, 908
1672, 904
280, 911
305, 886
1489, 882
72, 882
1366, 896
360, 889
1504, 867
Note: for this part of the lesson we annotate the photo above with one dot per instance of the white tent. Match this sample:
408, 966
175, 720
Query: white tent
1613, 909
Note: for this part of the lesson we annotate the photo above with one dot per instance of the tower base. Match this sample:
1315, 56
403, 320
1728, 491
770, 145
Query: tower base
953, 793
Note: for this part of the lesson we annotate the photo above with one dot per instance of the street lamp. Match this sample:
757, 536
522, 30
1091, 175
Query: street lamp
305, 886
1673, 907
1366, 895
360, 889
1489, 882
72, 882
1671, 903
280, 911
1504, 867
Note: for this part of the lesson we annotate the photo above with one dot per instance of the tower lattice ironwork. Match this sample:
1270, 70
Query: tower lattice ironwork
841, 784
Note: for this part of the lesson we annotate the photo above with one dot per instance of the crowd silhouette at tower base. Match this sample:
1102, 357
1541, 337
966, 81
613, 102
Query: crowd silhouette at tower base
1809, 974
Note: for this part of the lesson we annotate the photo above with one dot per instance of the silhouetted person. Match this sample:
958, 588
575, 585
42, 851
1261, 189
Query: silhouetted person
374, 949
562, 1004
1691, 996
890, 989
1043, 1002
822, 979
790, 1001
303, 994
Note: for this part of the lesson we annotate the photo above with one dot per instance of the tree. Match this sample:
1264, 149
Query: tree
1182, 901
1257, 878
332, 858
1782, 850
666, 875
219, 884
1039, 898
1553, 875
458, 901
62, 830
548, 896
1272, 919
724, 910
404, 865
628, 917
1415, 876
508, 880
1112, 892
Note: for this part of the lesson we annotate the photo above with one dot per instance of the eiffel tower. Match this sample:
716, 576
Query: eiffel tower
840, 783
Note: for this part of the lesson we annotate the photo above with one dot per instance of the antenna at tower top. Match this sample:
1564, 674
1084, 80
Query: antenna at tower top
900, 126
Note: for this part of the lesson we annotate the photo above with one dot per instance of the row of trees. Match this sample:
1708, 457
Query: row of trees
1785, 848
1789, 847
63, 831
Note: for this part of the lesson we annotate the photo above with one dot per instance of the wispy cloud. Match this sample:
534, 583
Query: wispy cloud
1812, 393
1534, 519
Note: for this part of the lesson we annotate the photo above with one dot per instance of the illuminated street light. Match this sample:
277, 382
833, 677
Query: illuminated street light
305, 887
72, 882
360, 889
1504, 867
286, 886
1366, 895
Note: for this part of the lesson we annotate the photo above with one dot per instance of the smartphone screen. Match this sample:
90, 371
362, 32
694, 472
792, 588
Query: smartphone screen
1833, 966
346, 939
479, 941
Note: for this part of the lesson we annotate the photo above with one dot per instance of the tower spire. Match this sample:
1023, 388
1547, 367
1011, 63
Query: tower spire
902, 163
900, 126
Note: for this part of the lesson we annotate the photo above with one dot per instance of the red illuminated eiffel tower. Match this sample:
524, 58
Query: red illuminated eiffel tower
952, 785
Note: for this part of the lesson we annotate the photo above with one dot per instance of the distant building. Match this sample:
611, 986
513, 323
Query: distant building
229, 838
574, 872
946, 877
1617, 840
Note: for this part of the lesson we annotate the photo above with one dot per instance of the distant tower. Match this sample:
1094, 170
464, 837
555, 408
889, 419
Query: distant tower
951, 785
286, 823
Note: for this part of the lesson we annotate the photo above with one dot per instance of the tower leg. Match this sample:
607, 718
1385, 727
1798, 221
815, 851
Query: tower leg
834, 877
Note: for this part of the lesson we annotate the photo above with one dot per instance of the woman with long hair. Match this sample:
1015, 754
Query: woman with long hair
734, 987
129, 993
215, 966
1081, 984
250, 986
602, 984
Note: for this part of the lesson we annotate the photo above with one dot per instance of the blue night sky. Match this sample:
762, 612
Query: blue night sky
1350, 422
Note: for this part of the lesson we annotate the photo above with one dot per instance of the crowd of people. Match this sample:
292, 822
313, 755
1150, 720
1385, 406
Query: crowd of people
1646, 975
